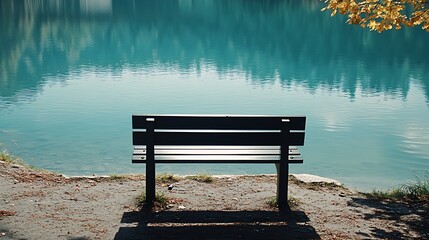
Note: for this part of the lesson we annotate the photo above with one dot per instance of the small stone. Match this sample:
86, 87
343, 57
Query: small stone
170, 187
6, 213
2, 234
181, 207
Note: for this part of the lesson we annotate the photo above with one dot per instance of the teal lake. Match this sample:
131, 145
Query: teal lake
73, 72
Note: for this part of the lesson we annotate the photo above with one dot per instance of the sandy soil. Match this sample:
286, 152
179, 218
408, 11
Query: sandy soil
40, 205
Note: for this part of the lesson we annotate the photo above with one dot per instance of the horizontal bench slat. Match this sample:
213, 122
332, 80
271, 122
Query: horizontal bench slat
217, 152
196, 147
214, 152
216, 159
221, 161
204, 138
218, 122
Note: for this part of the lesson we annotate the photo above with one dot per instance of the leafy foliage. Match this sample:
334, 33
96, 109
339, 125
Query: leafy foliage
381, 15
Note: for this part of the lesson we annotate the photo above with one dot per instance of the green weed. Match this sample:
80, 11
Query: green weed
292, 201
415, 190
167, 178
5, 156
115, 177
201, 178
160, 199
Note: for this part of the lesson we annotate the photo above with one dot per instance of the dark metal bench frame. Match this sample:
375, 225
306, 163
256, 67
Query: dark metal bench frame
218, 139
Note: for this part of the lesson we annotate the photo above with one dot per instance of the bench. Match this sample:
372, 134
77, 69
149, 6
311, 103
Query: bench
218, 139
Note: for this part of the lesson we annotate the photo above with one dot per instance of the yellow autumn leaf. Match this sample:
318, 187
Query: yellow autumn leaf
382, 15
372, 24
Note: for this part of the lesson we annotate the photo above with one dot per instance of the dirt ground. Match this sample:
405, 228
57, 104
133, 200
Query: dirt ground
41, 205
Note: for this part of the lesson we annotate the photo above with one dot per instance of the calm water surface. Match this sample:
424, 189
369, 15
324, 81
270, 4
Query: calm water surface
73, 72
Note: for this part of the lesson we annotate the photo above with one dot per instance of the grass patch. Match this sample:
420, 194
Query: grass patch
167, 178
201, 178
5, 156
8, 158
323, 185
416, 190
292, 201
160, 199
272, 202
116, 177
394, 193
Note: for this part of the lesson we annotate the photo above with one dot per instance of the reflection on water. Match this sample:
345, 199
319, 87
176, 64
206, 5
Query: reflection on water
91, 63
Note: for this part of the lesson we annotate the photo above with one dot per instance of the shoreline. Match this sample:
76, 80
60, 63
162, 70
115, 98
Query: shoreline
41, 205
303, 177
363, 187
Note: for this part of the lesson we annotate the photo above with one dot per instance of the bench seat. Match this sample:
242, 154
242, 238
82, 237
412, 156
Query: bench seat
216, 154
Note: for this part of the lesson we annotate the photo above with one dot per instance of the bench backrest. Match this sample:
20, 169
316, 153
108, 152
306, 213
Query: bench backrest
217, 138
219, 130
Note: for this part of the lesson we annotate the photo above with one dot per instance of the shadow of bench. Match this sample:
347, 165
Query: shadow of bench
199, 225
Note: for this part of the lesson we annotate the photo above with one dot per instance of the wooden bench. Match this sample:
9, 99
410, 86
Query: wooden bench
218, 139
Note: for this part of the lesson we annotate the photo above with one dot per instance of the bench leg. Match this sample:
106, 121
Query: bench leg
150, 184
282, 186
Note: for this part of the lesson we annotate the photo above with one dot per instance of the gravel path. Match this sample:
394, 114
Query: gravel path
41, 205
